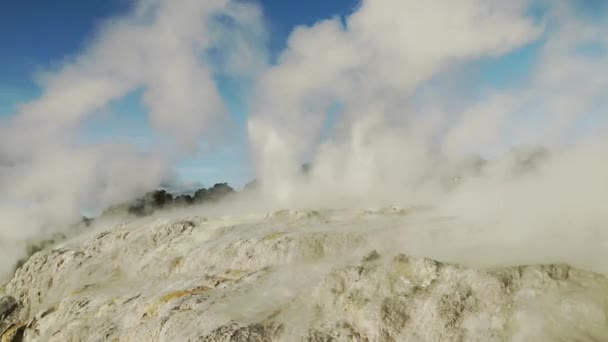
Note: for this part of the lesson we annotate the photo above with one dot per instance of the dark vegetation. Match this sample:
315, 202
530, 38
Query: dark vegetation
161, 199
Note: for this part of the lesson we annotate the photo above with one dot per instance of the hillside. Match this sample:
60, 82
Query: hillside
289, 276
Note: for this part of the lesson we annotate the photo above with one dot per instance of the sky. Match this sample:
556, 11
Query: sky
37, 35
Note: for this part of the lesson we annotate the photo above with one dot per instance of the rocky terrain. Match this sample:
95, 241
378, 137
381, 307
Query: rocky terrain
288, 276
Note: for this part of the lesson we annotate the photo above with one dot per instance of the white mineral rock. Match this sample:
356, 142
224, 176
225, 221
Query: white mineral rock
288, 276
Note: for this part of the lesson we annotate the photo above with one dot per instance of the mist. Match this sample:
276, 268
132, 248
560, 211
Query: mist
379, 103
163, 49
399, 73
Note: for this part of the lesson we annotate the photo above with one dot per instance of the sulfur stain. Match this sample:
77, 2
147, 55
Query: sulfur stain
14, 333
273, 236
151, 310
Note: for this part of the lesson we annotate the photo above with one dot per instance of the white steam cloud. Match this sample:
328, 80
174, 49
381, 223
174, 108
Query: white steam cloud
161, 48
375, 102
396, 72
371, 67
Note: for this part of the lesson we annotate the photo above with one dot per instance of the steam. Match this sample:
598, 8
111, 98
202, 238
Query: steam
395, 126
371, 67
395, 71
161, 48
375, 103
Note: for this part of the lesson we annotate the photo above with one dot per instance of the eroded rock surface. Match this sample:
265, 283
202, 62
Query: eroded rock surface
287, 276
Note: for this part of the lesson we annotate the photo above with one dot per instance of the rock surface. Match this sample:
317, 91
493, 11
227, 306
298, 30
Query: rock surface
8, 305
287, 276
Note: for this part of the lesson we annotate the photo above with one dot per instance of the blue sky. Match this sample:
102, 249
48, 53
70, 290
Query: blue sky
39, 34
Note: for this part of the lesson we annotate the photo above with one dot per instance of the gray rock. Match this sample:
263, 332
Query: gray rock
252, 333
8, 305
